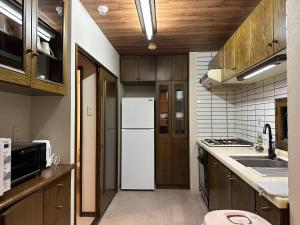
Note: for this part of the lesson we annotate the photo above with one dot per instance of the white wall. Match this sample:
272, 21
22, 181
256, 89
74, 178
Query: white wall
293, 51
15, 112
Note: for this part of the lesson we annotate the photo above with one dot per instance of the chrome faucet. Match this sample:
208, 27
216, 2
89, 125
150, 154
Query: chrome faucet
271, 149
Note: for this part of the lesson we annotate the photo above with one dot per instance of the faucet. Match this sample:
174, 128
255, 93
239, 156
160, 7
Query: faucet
271, 150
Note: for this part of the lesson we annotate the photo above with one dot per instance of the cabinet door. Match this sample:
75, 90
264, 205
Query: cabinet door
219, 185
270, 212
164, 172
163, 68
242, 47
163, 109
15, 35
180, 68
179, 109
242, 195
229, 59
49, 48
57, 200
261, 21
129, 69
147, 68
180, 156
280, 28
28, 211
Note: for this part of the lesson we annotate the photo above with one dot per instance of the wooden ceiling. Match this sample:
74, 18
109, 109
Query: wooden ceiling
183, 25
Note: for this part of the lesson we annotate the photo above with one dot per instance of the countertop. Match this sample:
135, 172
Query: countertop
223, 155
23, 190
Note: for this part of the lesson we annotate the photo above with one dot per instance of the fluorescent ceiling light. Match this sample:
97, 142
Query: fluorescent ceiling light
16, 16
259, 71
147, 16
262, 67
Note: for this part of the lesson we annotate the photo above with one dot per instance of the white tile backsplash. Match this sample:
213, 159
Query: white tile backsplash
237, 112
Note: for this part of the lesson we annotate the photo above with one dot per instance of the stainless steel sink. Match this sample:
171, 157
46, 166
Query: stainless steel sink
260, 161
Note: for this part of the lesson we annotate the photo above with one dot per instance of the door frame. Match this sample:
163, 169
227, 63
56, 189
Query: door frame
97, 215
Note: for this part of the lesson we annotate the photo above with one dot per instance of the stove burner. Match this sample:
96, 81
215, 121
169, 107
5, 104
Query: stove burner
226, 142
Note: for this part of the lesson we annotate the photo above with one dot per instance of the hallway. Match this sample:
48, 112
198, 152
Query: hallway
161, 207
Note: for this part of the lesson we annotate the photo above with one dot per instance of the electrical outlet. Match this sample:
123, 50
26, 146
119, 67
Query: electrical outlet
90, 110
16, 134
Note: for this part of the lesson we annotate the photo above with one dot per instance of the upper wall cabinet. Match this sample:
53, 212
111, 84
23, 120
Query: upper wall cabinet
180, 68
242, 47
33, 39
261, 21
15, 35
229, 59
136, 68
280, 28
164, 68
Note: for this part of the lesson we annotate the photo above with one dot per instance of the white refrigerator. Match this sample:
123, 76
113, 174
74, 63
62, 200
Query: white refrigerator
137, 158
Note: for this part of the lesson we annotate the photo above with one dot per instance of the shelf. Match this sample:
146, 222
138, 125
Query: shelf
47, 54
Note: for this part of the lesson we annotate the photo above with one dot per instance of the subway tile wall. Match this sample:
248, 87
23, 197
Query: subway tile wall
236, 112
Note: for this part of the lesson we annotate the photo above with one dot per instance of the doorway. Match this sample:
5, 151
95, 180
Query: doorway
96, 138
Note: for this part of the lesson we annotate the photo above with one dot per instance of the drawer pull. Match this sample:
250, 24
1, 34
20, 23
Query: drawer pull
231, 178
60, 185
264, 208
59, 207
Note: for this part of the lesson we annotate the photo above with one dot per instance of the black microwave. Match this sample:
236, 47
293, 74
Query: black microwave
27, 161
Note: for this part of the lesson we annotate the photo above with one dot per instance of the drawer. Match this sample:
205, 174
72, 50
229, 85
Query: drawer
57, 200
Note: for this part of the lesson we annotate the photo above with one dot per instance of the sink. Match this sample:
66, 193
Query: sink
260, 161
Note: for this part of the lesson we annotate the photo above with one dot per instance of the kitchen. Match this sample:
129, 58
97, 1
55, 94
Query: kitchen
192, 169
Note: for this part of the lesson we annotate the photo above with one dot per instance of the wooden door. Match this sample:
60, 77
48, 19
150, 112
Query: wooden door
242, 47
15, 46
28, 211
164, 164
280, 28
270, 212
163, 109
180, 68
229, 59
129, 68
180, 156
219, 185
57, 202
108, 136
261, 23
147, 68
242, 195
179, 109
163, 68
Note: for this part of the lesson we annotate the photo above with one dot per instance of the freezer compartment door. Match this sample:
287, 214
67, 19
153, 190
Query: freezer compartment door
137, 113
137, 169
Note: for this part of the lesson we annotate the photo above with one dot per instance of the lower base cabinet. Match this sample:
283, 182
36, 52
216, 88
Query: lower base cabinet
51, 205
29, 211
227, 191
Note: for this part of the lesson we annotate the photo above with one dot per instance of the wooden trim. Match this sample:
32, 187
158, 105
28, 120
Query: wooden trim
279, 103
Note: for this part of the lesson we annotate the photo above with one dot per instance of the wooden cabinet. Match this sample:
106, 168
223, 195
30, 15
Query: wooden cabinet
242, 195
180, 68
28, 211
34, 54
229, 59
163, 68
271, 213
280, 28
242, 47
219, 185
57, 200
135, 68
164, 162
261, 23
180, 155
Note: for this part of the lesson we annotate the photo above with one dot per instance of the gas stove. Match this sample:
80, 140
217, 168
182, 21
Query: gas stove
227, 143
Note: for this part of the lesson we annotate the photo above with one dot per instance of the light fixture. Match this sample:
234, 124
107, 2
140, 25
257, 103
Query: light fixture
103, 10
152, 46
262, 67
16, 16
147, 15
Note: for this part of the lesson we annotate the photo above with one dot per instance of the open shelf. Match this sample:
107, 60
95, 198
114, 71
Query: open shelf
47, 54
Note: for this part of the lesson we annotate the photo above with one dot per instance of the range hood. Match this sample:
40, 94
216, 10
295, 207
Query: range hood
212, 78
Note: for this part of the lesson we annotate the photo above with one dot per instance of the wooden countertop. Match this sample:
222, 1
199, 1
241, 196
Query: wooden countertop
23, 190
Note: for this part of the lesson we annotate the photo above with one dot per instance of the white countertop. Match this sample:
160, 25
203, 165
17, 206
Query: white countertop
223, 155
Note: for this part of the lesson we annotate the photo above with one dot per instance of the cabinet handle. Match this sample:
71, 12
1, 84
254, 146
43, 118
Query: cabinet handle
232, 178
59, 207
264, 208
33, 53
270, 44
275, 41
60, 185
